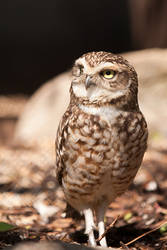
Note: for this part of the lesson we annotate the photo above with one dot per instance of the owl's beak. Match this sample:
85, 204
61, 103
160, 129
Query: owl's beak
88, 82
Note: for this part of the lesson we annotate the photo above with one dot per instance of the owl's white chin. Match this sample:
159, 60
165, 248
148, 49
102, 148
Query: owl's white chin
94, 93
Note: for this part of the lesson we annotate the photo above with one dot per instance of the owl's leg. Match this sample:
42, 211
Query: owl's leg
89, 225
100, 211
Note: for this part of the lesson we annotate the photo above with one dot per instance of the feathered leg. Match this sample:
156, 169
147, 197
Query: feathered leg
100, 211
89, 225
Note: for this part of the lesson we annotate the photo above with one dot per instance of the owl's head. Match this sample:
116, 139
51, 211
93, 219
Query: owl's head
103, 78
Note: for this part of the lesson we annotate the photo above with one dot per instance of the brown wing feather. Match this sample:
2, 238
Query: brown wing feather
60, 140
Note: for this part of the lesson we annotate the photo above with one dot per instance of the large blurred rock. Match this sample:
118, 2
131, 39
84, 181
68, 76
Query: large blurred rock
58, 245
42, 113
151, 66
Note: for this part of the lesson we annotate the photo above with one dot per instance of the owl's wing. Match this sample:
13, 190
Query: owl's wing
60, 143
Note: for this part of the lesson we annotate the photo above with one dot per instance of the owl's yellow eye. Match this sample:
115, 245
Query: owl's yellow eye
108, 73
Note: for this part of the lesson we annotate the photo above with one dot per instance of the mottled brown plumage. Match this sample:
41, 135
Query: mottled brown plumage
102, 136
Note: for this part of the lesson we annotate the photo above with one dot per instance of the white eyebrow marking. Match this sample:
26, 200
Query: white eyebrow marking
92, 70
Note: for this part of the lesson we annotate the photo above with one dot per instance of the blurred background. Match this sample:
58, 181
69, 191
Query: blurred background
40, 39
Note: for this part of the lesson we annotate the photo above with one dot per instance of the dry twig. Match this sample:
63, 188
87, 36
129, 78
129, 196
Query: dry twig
141, 236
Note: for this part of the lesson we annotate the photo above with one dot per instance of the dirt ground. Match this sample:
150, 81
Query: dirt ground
31, 200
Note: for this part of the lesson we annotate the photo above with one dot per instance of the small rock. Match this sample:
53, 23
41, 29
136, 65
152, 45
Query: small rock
45, 210
145, 216
151, 186
149, 222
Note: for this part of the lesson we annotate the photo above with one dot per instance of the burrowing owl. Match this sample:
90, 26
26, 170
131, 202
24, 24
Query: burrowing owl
102, 136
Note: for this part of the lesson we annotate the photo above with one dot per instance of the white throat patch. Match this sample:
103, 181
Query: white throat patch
107, 112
